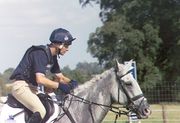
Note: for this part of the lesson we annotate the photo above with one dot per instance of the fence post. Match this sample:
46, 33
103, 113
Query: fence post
164, 115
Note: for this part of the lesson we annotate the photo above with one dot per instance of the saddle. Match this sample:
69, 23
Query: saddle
45, 99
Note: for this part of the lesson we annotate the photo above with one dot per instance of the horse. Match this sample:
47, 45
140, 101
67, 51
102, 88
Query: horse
90, 102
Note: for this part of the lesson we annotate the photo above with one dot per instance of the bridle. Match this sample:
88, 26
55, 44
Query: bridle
130, 105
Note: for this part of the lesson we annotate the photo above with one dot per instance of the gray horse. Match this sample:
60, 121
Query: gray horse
90, 102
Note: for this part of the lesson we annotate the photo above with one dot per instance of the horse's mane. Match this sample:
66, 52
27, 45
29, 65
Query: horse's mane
94, 80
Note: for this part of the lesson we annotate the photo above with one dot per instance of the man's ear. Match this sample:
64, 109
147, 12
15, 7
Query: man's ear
61, 46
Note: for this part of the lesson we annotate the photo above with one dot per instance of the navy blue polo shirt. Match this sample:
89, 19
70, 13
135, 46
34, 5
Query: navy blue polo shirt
36, 60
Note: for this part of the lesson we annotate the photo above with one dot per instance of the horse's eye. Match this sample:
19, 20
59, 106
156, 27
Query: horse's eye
128, 84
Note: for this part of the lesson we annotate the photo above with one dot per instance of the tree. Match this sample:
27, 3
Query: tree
2, 86
4, 79
7, 73
83, 71
146, 31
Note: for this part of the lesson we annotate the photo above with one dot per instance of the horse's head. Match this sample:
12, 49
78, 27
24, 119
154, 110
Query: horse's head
129, 90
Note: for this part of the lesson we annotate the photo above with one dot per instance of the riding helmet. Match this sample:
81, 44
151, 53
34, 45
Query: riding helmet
61, 35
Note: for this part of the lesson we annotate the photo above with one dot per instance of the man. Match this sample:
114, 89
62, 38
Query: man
32, 69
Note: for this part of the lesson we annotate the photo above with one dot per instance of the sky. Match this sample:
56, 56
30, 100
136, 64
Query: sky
24, 23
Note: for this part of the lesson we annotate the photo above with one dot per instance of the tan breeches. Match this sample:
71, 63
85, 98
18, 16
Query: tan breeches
27, 96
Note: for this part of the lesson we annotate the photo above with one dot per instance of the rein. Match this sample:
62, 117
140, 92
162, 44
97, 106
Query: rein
114, 109
111, 108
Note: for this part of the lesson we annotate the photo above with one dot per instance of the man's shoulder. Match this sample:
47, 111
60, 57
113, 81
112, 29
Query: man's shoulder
38, 47
42, 49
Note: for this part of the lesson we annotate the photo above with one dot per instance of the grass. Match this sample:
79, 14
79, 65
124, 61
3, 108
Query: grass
172, 113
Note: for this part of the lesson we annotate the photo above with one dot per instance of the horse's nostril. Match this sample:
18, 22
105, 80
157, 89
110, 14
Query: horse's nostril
147, 111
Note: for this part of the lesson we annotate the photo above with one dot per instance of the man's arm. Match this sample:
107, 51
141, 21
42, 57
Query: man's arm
43, 80
66, 85
62, 79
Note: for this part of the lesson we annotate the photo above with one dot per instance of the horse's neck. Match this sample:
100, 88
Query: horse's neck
97, 88
97, 91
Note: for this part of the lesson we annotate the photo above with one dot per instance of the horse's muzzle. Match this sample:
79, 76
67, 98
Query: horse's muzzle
143, 111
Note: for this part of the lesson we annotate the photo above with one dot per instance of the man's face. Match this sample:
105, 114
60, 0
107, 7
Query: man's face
63, 48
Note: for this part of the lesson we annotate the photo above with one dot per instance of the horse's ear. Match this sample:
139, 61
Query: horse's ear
116, 65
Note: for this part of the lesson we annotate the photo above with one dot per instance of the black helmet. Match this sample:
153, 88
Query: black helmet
61, 35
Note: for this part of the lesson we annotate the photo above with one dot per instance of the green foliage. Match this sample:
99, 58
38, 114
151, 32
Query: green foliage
83, 71
4, 79
7, 74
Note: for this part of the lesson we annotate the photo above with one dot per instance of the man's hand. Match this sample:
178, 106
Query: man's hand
66, 88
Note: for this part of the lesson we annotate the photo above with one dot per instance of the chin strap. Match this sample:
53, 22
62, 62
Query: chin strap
58, 54
58, 50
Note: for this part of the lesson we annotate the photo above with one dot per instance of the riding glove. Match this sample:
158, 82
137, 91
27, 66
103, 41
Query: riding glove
66, 88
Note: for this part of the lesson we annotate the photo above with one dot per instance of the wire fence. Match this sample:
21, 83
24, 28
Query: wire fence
168, 93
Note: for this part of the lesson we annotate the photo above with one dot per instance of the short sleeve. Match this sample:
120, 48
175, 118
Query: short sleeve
39, 61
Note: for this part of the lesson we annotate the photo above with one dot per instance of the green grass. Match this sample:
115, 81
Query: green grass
172, 113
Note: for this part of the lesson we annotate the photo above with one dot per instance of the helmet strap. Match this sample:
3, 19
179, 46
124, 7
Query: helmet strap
58, 55
58, 50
